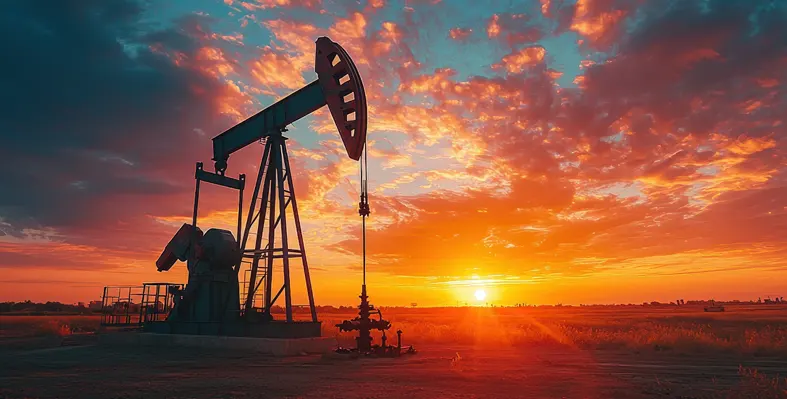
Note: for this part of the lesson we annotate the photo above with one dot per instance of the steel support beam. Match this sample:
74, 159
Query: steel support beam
277, 200
219, 179
302, 252
271, 120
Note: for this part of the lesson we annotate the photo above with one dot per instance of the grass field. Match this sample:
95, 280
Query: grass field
746, 329
756, 330
472, 352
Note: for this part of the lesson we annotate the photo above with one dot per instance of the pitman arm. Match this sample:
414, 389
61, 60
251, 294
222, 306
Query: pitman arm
338, 85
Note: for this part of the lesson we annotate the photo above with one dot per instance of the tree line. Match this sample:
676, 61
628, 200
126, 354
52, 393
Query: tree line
29, 307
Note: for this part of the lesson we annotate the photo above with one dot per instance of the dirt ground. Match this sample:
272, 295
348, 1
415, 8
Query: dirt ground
39, 369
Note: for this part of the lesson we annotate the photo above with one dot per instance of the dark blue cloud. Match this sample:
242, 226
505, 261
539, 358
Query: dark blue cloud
675, 55
94, 125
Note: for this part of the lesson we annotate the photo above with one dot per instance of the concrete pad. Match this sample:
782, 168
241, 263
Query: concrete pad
269, 346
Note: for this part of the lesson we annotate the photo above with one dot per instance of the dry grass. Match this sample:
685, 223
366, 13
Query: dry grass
752, 330
757, 385
751, 384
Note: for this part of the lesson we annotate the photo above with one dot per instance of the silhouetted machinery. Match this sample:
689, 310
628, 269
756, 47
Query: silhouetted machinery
211, 293
212, 303
364, 324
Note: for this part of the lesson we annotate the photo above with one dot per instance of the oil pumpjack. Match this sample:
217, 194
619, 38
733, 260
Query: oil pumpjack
211, 302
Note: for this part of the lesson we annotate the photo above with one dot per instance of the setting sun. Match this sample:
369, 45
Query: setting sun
480, 294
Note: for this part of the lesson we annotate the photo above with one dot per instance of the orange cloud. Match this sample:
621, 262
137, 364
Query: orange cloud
214, 62
493, 27
235, 102
519, 60
236, 38
747, 146
545, 5
264, 4
593, 22
296, 36
351, 28
275, 70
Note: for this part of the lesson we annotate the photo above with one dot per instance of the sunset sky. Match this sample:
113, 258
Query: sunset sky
546, 151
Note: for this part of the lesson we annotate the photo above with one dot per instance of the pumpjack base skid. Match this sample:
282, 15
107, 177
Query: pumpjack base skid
270, 329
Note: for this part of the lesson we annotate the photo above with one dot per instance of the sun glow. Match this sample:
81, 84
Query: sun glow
480, 294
